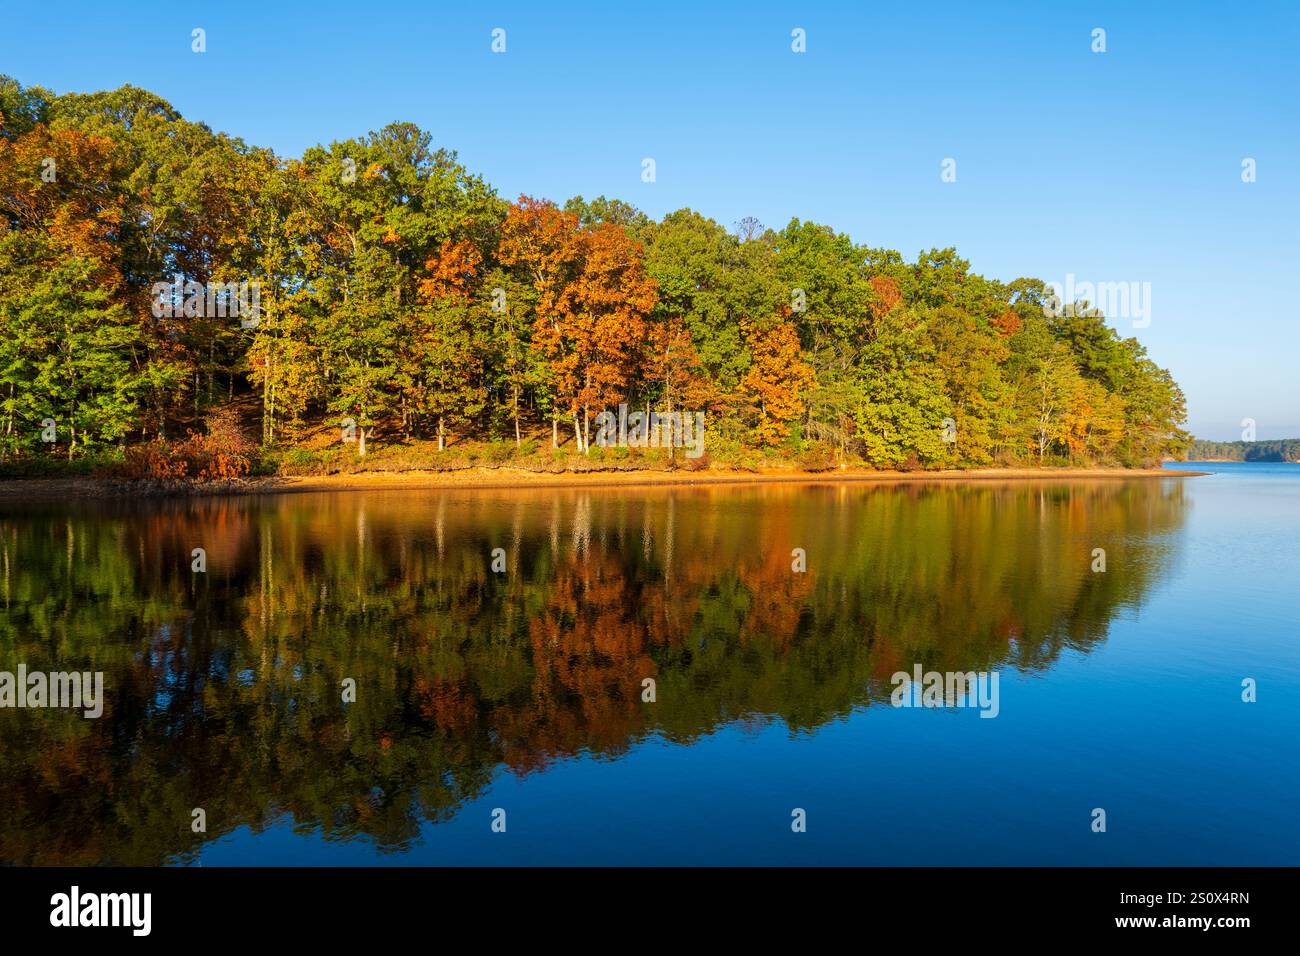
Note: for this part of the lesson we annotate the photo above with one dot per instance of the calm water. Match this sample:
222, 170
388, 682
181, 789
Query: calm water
522, 690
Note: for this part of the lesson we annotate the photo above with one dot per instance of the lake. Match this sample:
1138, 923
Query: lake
492, 689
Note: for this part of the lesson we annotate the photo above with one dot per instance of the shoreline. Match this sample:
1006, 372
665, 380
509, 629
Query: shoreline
45, 489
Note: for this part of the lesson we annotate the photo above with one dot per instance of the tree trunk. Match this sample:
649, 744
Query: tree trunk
518, 440
268, 426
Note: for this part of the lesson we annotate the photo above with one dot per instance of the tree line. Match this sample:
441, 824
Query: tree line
400, 293
1283, 449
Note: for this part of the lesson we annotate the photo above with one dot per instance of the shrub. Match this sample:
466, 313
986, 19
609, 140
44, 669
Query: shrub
700, 463
155, 461
818, 456
223, 453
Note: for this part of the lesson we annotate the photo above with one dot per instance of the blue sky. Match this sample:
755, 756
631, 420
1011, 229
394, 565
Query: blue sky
1123, 166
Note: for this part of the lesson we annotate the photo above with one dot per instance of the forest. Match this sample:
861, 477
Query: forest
405, 314
1285, 449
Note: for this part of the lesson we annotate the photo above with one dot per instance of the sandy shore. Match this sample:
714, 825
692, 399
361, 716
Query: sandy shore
46, 489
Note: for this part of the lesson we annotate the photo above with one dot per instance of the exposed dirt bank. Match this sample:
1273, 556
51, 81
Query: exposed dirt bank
14, 491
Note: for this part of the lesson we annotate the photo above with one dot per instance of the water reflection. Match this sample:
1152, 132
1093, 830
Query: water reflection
224, 688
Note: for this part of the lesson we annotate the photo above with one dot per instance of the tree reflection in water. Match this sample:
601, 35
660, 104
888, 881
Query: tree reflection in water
224, 688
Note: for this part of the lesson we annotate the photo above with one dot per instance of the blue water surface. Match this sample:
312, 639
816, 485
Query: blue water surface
1149, 725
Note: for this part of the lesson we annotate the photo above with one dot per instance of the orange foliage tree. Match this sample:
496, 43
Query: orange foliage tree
444, 347
593, 297
674, 365
777, 377
887, 295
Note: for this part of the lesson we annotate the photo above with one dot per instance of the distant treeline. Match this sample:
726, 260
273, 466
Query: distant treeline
1282, 449
395, 291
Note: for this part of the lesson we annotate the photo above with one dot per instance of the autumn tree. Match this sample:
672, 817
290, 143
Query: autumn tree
380, 207
68, 343
592, 299
446, 341
674, 372
777, 378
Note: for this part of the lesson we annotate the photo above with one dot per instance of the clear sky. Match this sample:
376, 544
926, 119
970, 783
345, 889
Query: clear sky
1123, 166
